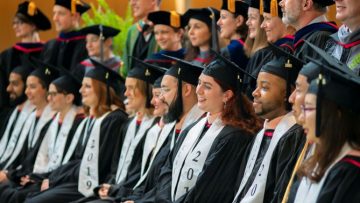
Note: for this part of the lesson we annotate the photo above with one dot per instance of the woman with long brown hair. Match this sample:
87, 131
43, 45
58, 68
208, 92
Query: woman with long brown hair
331, 123
200, 31
90, 154
208, 154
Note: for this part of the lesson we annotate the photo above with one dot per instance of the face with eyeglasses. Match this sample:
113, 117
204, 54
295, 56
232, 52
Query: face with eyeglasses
58, 100
22, 29
308, 117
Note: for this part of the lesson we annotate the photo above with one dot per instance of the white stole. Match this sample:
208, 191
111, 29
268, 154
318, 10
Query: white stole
164, 134
12, 137
308, 191
74, 141
194, 114
190, 159
29, 130
52, 147
257, 189
130, 143
89, 166
149, 145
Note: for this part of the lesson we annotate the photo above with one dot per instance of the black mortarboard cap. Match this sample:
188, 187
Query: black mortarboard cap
255, 4
75, 6
105, 31
185, 71
337, 85
43, 71
324, 2
146, 71
169, 18
23, 70
34, 14
272, 7
310, 70
203, 14
236, 6
226, 71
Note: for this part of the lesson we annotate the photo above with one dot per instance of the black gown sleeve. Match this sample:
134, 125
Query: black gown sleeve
216, 183
343, 183
283, 162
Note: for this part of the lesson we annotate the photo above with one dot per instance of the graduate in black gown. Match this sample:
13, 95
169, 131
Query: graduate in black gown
27, 22
63, 96
98, 139
169, 32
18, 99
98, 36
68, 49
22, 152
232, 24
276, 147
331, 119
208, 153
310, 23
202, 34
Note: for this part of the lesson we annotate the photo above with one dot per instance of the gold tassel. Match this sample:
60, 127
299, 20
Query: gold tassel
274, 8
231, 6
73, 6
175, 19
31, 8
296, 167
261, 7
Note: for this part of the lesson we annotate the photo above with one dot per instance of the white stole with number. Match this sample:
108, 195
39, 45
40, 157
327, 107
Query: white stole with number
9, 139
131, 141
31, 132
257, 189
52, 147
89, 166
309, 191
164, 134
190, 159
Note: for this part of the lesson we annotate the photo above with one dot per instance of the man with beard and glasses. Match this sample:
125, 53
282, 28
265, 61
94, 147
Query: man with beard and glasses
22, 107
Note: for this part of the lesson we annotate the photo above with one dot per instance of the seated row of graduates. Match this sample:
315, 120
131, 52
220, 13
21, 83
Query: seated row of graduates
197, 145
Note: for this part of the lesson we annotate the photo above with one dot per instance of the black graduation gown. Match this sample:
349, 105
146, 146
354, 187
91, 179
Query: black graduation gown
316, 33
67, 50
341, 185
159, 59
236, 53
282, 164
14, 192
5, 121
64, 186
9, 59
216, 182
343, 182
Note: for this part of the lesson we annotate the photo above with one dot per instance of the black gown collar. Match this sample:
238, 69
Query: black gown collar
324, 26
29, 47
70, 36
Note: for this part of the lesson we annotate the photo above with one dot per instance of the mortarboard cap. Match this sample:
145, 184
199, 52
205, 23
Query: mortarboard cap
146, 71
203, 14
255, 3
236, 6
272, 7
23, 70
324, 3
34, 15
169, 18
44, 72
310, 70
105, 31
185, 71
75, 6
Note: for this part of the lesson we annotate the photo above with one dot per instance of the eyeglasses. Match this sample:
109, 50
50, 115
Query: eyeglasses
307, 109
17, 22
